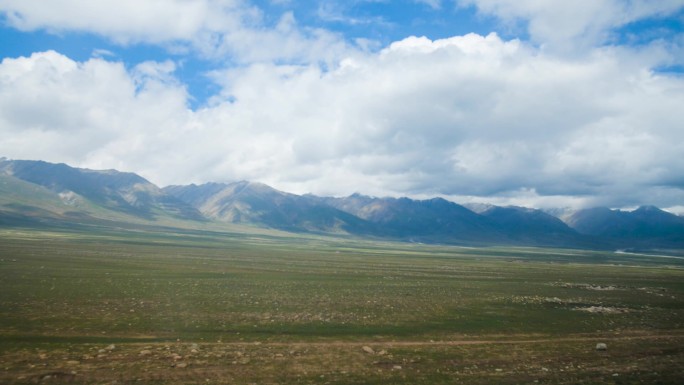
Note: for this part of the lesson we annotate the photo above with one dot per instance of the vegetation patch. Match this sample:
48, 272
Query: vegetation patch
267, 307
603, 309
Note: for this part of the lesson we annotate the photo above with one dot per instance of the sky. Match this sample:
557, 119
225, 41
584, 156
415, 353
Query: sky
537, 103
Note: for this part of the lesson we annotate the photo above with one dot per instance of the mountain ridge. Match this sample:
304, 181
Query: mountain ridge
38, 190
644, 227
257, 203
117, 191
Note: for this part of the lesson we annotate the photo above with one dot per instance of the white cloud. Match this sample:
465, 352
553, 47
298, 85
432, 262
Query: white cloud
434, 4
285, 42
677, 210
470, 116
573, 24
54, 108
102, 53
215, 28
126, 20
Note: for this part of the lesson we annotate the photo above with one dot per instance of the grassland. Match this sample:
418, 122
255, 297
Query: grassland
236, 306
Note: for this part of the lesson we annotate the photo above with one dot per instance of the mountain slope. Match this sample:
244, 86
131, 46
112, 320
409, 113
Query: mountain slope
533, 227
433, 220
259, 204
440, 220
648, 226
24, 203
113, 190
41, 193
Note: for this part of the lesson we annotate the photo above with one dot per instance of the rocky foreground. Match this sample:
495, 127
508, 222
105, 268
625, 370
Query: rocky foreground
617, 358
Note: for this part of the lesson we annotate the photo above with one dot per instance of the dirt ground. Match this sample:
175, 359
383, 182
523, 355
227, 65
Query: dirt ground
630, 358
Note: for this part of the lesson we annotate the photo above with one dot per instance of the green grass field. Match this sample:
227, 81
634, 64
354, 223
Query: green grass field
243, 306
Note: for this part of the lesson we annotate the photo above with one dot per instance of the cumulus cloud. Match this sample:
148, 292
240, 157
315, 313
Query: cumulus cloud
55, 108
214, 28
568, 25
470, 117
126, 20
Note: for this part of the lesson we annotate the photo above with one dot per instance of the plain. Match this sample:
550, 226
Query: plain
241, 305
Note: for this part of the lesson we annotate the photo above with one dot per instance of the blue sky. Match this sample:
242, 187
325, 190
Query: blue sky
378, 21
535, 103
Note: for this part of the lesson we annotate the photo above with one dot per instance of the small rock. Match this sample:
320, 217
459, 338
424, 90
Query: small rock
145, 352
498, 370
368, 350
110, 347
73, 362
182, 365
601, 346
382, 352
396, 367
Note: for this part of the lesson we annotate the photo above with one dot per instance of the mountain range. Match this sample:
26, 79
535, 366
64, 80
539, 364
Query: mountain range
47, 194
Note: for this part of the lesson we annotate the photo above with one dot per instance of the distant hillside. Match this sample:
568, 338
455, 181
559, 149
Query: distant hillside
36, 192
259, 204
110, 189
648, 226
535, 227
438, 220
433, 220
